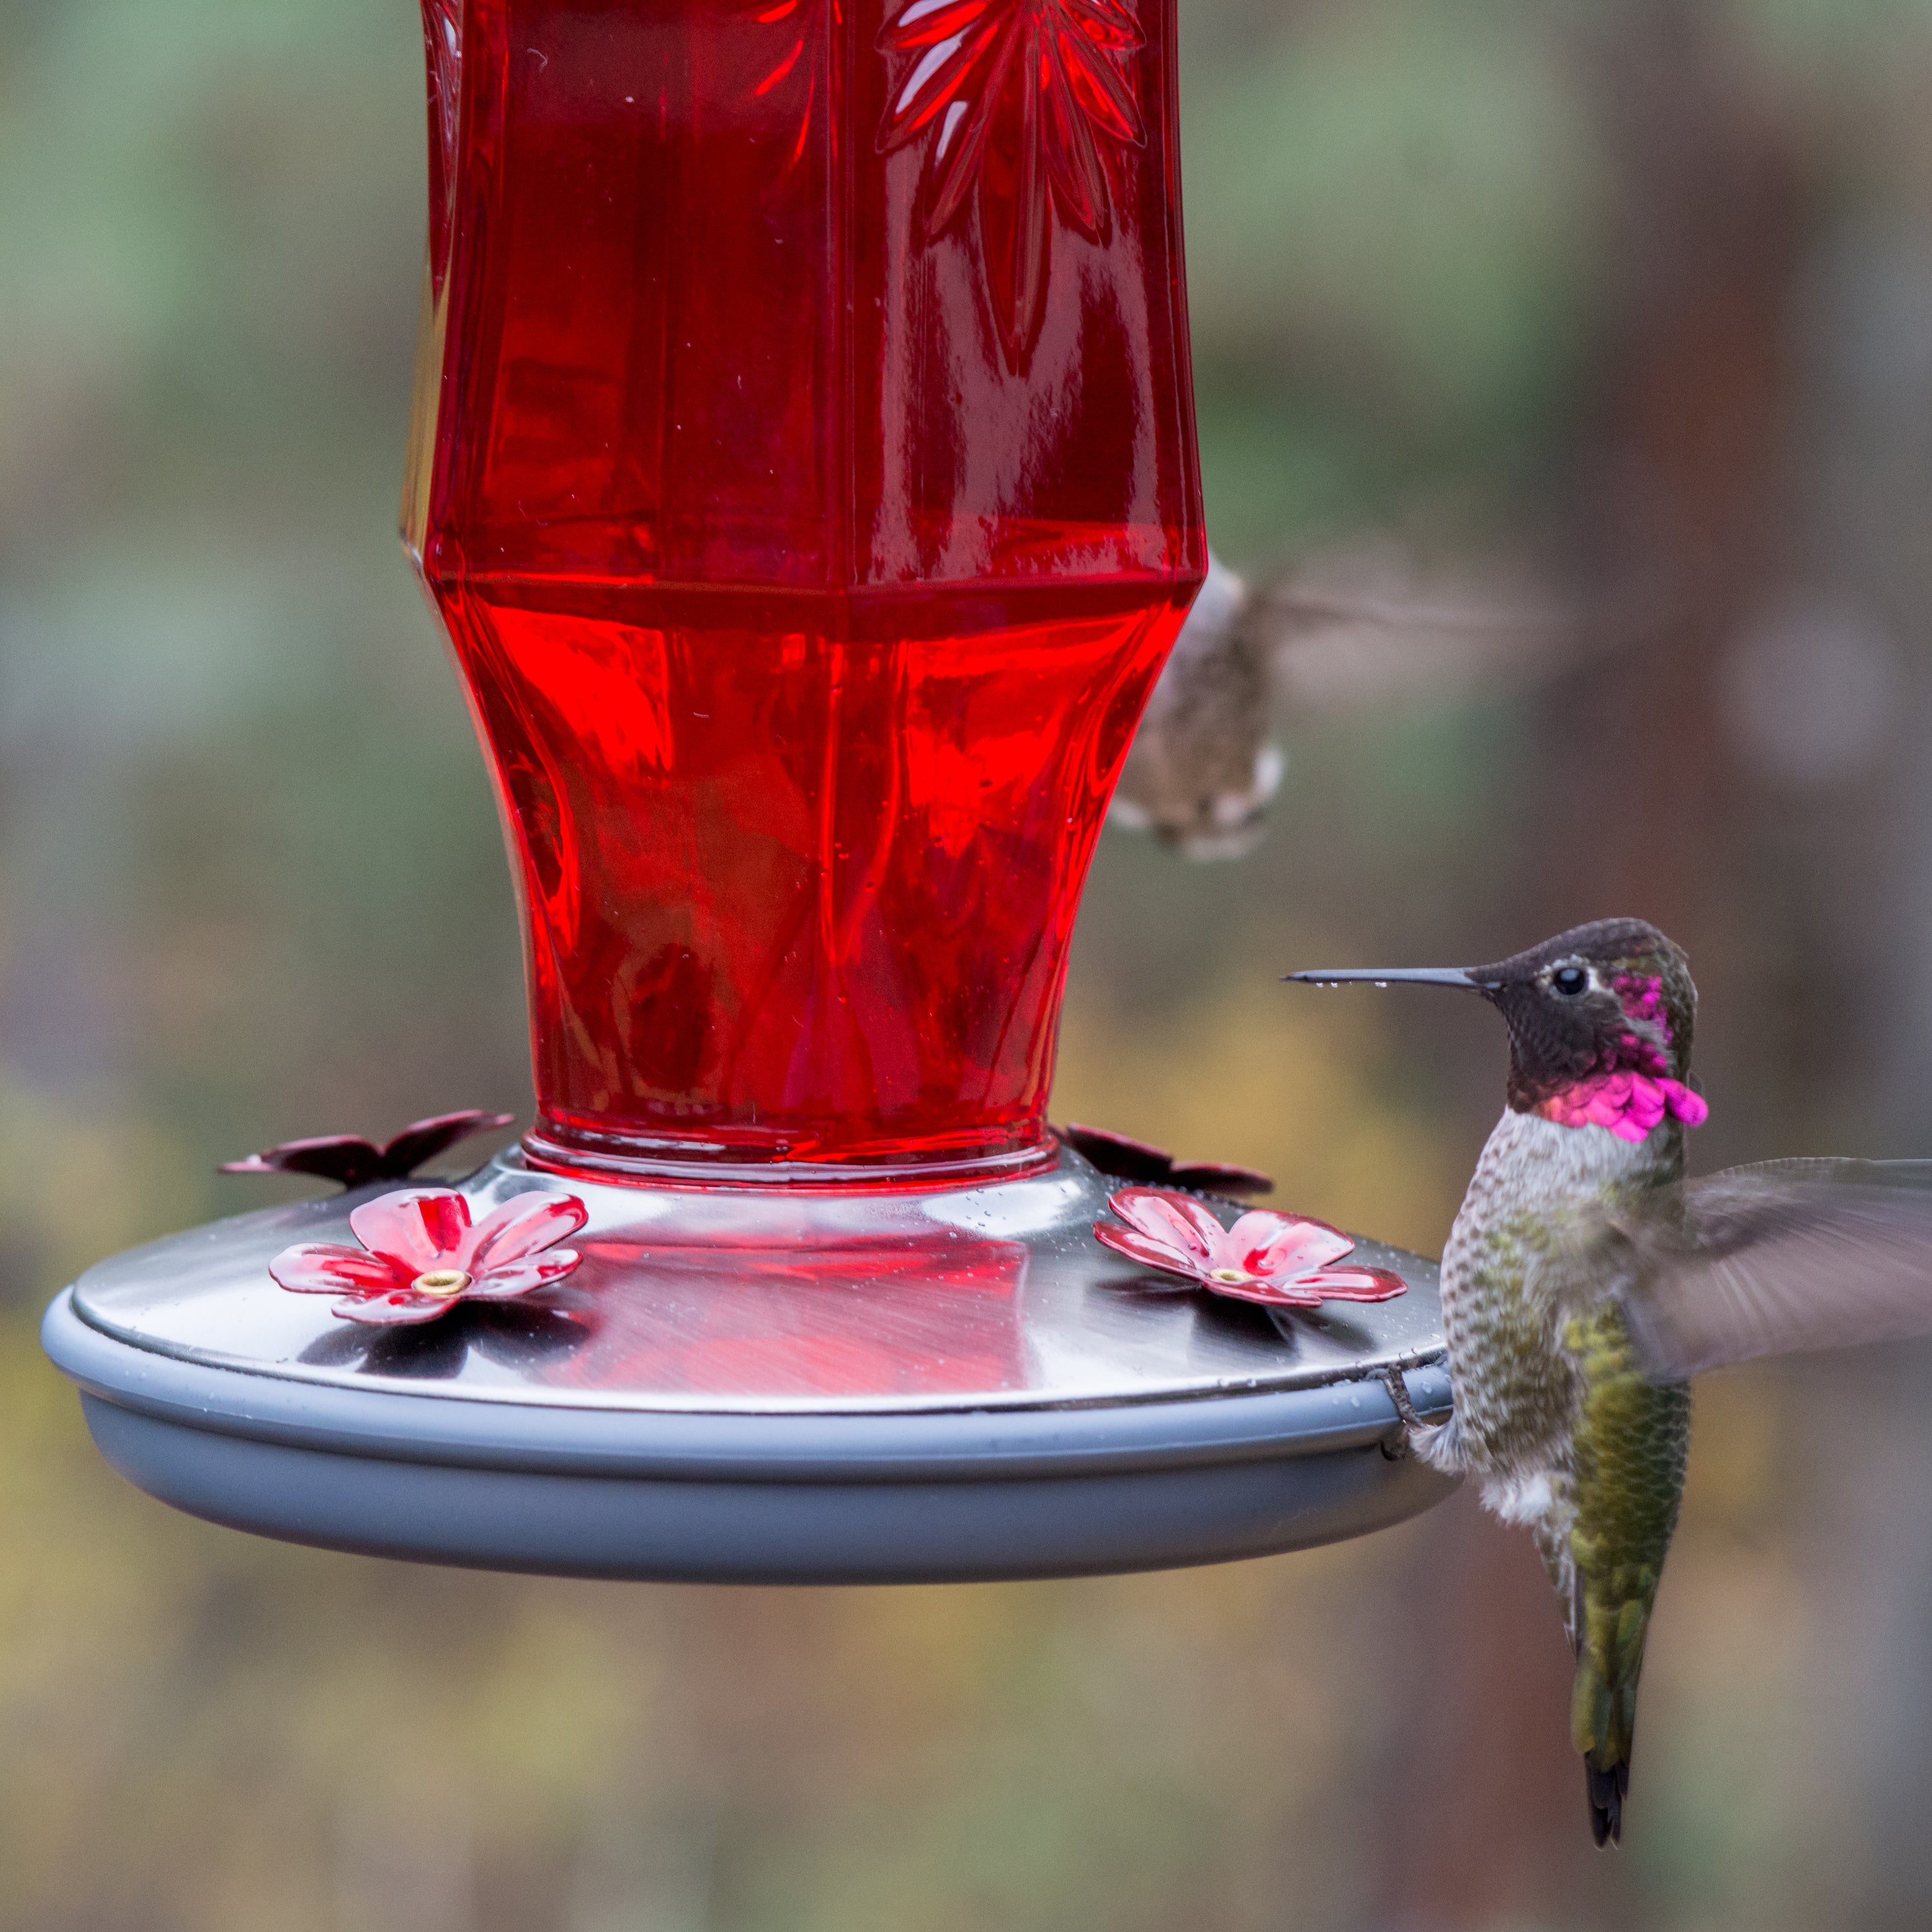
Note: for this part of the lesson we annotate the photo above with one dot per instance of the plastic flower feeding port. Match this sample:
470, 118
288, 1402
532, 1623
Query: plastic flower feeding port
803, 468
1282, 1260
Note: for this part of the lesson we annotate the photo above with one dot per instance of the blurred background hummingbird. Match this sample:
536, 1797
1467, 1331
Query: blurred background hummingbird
1584, 1280
1359, 624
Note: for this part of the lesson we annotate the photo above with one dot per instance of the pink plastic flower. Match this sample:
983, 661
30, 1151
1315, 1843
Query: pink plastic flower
355, 1162
1123, 1158
420, 1256
1283, 1260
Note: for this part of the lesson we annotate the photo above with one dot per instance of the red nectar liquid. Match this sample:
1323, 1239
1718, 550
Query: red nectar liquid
804, 470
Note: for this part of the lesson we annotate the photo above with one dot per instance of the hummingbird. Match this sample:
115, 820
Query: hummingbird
1205, 761
1342, 631
1584, 1280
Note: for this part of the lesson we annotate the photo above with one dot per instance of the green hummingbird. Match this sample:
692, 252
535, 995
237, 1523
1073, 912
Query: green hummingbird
1584, 1280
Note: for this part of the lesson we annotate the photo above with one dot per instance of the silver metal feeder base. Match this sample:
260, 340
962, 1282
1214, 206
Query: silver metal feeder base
779, 1386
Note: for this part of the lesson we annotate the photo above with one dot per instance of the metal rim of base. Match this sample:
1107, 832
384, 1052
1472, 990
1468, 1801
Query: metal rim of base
1273, 1439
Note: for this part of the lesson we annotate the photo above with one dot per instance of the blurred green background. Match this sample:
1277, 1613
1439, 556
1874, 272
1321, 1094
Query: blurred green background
1642, 291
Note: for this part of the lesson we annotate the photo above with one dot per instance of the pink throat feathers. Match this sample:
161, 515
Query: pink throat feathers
1631, 1091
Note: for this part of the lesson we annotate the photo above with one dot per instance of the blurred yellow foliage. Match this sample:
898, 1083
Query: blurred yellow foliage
1254, 1073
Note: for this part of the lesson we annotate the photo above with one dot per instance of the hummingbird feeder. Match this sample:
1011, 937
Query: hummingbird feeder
803, 469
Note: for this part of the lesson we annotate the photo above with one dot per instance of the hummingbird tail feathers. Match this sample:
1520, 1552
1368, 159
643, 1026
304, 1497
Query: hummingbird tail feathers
1607, 1790
1629, 1448
1603, 1713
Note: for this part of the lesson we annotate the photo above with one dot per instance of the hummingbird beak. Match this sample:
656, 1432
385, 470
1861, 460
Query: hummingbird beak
1395, 976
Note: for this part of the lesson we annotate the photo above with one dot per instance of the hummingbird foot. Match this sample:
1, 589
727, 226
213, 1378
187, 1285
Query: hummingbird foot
1398, 1449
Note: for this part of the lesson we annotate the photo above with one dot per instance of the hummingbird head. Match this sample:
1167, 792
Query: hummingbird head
1602, 1010
1611, 996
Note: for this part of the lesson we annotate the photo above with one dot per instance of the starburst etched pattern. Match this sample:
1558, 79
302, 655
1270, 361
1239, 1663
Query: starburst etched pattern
797, 24
1016, 93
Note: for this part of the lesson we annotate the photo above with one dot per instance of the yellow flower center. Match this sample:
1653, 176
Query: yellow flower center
1229, 1275
440, 1283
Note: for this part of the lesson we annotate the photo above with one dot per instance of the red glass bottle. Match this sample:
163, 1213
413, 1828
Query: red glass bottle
804, 469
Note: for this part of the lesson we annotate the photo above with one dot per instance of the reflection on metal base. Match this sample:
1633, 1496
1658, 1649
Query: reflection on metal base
773, 1385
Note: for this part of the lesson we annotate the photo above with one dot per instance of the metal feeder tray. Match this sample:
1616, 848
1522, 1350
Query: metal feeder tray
777, 1385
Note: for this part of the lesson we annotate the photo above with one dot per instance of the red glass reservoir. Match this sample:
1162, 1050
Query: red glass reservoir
804, 470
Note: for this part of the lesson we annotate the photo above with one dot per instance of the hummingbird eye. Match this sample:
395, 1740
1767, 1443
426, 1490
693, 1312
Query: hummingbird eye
1570, 981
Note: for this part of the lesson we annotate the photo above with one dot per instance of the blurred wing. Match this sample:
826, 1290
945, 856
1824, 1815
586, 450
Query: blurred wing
1364, 627
1776, 1258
